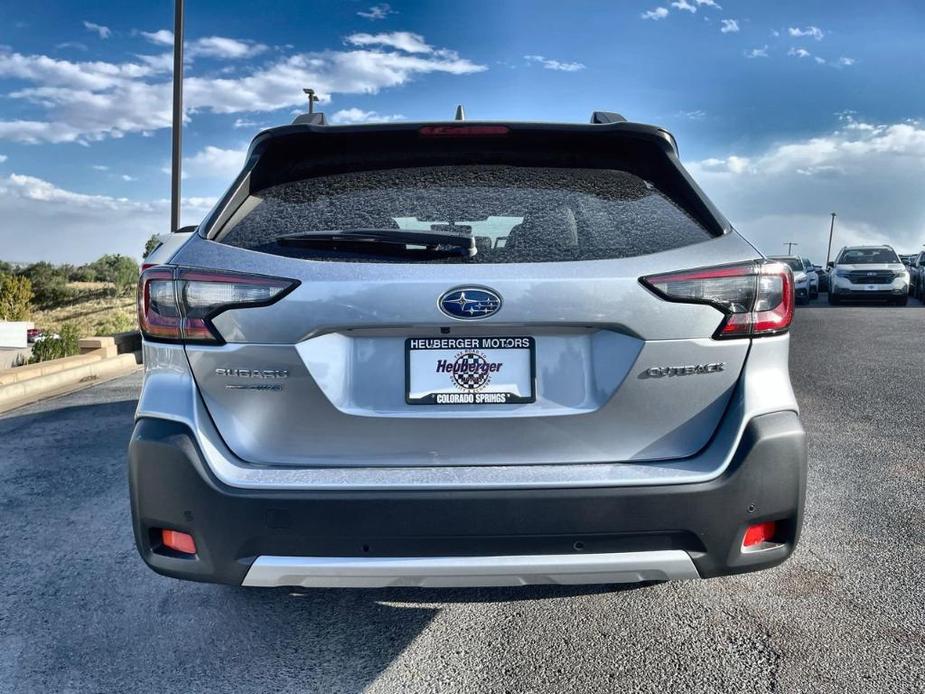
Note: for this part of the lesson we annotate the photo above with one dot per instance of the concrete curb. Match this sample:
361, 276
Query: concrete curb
27, 372
21, 393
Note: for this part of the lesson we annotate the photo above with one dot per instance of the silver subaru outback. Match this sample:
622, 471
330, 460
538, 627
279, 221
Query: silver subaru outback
465, 354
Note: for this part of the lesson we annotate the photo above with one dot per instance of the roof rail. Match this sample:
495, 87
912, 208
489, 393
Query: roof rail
310, 119
604, 117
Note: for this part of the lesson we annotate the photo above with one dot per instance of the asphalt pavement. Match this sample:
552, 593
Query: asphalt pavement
79, 611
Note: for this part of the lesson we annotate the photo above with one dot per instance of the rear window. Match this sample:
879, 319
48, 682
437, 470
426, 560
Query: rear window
867, 256
516, 214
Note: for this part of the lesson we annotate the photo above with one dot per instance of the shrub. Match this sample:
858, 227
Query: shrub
121, 270
116, 322
49, 284
15, 297
63, 345
84, 273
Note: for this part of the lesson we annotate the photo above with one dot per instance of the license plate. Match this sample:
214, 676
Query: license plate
470, 370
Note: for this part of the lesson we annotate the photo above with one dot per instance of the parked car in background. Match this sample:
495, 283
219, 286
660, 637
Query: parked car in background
801, 283
917, 276
868, 272
465, 354
823, 275
907, 259
813, 276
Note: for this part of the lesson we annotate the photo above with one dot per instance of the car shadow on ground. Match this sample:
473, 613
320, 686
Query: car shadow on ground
62, 466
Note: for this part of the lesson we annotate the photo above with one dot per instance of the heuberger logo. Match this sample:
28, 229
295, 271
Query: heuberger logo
470, 370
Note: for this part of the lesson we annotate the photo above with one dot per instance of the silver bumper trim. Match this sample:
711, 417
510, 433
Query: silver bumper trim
451, 572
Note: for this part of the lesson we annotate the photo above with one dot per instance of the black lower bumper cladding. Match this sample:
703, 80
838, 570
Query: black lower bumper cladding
172, 487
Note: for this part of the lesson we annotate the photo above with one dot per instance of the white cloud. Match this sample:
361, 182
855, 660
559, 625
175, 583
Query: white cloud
820, 61
729, 26
799, 52
215, 162
356, 115
223, 47
550, 64
161, 37
708, 3
846, 62
684, 5
244, 123
3, 158
87, 101
377, 12
810, 31
869, 173
220, 47
45, 222
126, 177
76, 45
656, 14
696, 114
400, 40
757, 52
99, 29
100, 167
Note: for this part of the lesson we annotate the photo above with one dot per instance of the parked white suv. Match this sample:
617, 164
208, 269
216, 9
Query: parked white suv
868, 272
801, 281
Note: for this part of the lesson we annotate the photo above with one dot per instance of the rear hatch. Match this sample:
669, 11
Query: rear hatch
521, 334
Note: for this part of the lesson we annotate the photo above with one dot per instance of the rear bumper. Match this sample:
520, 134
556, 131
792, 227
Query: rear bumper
465, 537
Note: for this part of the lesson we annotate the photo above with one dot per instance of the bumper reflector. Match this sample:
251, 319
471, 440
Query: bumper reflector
177, 541
759, 534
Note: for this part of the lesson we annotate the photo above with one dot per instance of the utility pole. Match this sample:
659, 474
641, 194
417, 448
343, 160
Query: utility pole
177, 128
828, 253
790, 245
310, 93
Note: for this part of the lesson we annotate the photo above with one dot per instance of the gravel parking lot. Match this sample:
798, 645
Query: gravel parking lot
79, 611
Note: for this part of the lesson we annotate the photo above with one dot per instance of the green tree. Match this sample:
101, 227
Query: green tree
151, 244
15, 297
49, 284
121, 270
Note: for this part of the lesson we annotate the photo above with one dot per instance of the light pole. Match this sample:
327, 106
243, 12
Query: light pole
828, 253
177, 127
790, 245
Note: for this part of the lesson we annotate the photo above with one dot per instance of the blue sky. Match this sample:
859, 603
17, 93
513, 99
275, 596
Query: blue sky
784, 110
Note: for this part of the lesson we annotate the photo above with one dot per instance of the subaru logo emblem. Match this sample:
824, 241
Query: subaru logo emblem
470, 303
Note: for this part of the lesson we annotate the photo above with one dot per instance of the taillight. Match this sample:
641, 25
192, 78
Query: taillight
178, 304
756, 298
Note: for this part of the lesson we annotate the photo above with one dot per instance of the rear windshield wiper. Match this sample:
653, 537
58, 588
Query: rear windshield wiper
385, 242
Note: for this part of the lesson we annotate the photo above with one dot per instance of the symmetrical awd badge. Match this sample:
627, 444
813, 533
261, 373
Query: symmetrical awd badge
470, 303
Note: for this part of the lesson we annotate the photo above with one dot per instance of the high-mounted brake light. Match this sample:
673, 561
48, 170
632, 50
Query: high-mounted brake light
179, 304
463, 130
756, 298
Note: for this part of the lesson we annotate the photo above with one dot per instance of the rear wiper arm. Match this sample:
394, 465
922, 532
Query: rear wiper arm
385, 242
